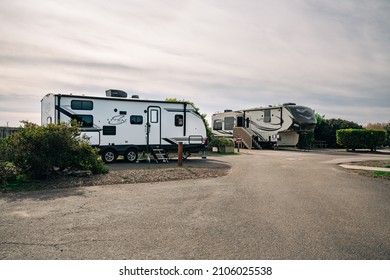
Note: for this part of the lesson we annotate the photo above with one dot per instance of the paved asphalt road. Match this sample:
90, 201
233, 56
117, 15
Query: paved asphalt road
272, 205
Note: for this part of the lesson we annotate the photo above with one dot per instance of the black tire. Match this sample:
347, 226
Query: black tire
131, 155
109, 156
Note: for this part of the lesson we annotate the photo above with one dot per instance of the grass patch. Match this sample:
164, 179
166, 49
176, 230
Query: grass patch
382, 174
21, 183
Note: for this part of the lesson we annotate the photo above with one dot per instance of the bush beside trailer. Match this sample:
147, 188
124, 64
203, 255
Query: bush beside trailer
118, 125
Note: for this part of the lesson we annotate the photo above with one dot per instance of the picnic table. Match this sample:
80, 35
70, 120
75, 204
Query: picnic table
319, 144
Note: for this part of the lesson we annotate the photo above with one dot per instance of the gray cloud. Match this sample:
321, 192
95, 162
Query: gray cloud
333, 56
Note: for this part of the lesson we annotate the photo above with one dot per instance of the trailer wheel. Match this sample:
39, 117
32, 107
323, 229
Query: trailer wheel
109, 156
131, 155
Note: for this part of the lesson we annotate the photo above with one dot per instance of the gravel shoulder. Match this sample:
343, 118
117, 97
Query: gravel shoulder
133, 176
133, 173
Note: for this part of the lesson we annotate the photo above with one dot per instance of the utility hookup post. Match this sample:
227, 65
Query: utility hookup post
239, 143
180, 154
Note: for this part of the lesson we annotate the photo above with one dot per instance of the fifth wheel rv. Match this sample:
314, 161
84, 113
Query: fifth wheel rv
265, 126
118, 125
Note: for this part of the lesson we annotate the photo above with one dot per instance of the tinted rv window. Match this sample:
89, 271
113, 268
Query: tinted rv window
240, 121
81, 105
85, 120
217, 125
267, 115
179, 120
134, 119
109, 130
229, 123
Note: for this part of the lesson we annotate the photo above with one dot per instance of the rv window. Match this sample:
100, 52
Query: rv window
85, 120
109, 130
154, 116
179, 120
81, 105
135, 119
217, 125
240, 121
229, 123
267, 115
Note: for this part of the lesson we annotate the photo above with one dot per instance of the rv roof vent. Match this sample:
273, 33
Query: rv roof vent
116, 93
228, 110
135, 96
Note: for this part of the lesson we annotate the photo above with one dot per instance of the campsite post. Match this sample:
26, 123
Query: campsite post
180, 154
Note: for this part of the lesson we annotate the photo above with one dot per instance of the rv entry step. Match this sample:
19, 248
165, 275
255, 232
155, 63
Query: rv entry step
159, 155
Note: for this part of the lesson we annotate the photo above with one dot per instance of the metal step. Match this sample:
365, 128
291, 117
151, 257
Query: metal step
159, 155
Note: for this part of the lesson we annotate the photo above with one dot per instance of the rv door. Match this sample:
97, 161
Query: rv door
153, 126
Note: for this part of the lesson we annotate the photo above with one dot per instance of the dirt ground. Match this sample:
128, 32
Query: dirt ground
132, 176
122, 176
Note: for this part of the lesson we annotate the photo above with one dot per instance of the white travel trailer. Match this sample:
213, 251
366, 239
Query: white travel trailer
118, 125
265, 126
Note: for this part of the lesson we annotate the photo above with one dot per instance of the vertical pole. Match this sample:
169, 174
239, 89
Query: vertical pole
180, 154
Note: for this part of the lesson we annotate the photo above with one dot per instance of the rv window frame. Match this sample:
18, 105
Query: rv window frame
154, 116
267, 115
109, 130
179, 120
86, 105
136, 119
219, 127
80, 118
228, 123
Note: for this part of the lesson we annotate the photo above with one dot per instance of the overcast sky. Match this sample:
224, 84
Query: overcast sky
332, 56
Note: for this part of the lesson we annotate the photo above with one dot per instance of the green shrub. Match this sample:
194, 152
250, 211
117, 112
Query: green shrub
361, 138
305, 139
220, 142
325, 129
40, 151
8, 172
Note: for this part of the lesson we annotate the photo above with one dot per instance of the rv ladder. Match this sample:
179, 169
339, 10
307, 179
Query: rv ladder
159, 155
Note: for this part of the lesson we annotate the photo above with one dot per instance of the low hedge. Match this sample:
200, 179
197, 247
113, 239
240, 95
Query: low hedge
41, 151
221, 143
361, 138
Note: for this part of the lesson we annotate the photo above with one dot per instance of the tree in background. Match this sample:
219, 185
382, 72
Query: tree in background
202, 115
325, 129
381, 126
